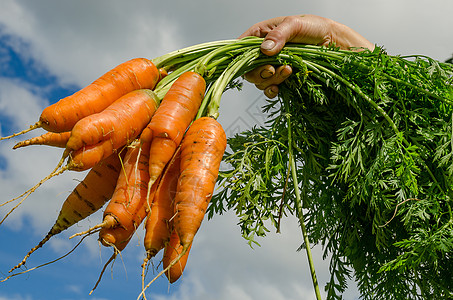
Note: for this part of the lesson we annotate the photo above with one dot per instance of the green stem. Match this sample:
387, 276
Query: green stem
205, 66
421, 90
300, 213
201, 49
362, 94
164, 85
213, 97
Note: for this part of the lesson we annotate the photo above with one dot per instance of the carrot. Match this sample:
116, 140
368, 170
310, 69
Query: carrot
128, 206
172, 250
130, 192
120, 123
54, 139
175, 113
157, 226
202, 151
137, 73
120, 234
100, 135
87, 197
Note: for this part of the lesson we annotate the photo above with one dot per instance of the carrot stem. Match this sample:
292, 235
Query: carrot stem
164, 85
299, 210
231, 72
201, 49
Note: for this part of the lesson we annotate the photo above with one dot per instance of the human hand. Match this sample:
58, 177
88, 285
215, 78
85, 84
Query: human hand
305, 29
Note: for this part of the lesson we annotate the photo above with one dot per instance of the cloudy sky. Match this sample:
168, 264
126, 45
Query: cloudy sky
49, 49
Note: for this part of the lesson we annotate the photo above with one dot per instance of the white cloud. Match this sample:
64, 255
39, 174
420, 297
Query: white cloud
409, 27
78, 43
20, 102
222, 264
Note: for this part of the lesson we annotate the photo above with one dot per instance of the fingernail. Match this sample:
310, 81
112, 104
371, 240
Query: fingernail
265, 74
285, 72
271, 92
268, 45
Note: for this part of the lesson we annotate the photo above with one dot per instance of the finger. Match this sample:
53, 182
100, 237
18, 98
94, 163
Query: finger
252, 31
262, 28
260, 74
271, 91
281, 74
276, 39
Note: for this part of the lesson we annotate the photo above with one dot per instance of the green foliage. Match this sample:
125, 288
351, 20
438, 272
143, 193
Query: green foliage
255, 187
373, 143
367, 140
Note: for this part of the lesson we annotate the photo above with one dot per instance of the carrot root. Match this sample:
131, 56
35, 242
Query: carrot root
46, 238
103, 270
57, 171
54, 139
45, 264
32, 127
109, 222
174, 262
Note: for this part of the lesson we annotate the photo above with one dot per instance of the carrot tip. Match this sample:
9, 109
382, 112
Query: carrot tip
18, 145
32, 127
164, 271
105, 224
39, 245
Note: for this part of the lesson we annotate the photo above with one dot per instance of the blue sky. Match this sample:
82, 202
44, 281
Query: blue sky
49, 49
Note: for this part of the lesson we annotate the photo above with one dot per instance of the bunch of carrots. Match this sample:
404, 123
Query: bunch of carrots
147, 131
150, 160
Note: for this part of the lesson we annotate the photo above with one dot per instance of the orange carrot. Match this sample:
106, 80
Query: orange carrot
177, 110
131, 189
202, 151
54, 139
137, 73
87, 197
120, 234
100, 135
158, 225
171, 252
128, 206
120, 123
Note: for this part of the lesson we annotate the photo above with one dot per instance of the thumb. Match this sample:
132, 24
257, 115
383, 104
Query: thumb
276, 39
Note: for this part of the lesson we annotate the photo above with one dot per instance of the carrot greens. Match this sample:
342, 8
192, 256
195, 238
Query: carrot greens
372, 140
